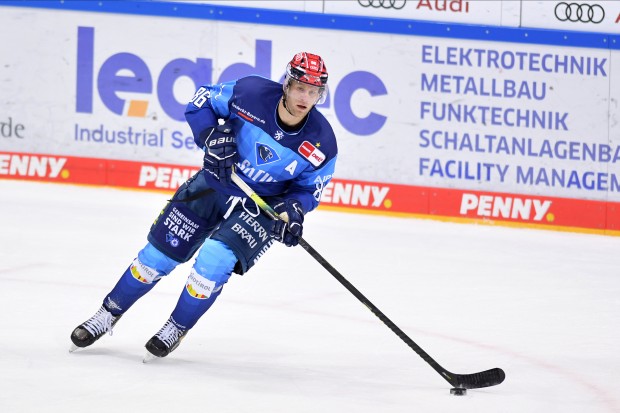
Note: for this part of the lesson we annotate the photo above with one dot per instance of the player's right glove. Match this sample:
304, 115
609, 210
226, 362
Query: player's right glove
289, 227
221, 152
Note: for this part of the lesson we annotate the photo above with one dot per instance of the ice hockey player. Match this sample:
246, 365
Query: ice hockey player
275, 139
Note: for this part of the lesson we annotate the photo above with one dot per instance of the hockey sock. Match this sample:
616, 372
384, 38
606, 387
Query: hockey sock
141, 276
194, 302
212, 269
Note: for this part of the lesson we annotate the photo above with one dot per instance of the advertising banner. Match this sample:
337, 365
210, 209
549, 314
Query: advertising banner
493, 131
341, 194
489, 12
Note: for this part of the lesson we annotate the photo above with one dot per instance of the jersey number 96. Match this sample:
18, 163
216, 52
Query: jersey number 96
200, 97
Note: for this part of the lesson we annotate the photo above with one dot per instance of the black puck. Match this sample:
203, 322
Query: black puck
457, 391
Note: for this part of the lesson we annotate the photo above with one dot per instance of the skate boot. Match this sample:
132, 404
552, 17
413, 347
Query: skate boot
93, 329
165, 341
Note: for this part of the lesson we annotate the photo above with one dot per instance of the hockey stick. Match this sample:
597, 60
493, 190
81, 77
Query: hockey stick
485, 378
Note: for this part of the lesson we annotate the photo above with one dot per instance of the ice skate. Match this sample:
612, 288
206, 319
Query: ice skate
164, 342
93, 329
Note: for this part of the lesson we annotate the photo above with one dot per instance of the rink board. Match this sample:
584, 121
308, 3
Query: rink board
493, 124
340, 194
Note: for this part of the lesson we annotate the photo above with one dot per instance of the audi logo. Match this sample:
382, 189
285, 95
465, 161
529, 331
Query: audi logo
575, 12
383, 4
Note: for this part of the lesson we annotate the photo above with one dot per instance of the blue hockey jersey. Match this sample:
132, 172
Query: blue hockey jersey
272, 161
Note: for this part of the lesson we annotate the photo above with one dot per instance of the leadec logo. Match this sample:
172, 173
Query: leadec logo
128, 73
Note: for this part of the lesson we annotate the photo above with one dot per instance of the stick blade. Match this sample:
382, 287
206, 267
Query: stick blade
486, 378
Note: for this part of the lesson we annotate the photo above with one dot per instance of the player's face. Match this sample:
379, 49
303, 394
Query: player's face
301, 98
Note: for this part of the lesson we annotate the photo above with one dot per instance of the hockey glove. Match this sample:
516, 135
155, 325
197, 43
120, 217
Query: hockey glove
289, 227
221, 152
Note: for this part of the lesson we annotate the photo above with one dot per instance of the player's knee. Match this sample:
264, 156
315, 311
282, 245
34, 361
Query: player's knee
157, 260
215, 261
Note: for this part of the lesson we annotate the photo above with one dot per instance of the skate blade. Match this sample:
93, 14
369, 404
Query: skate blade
73, 348
149, 357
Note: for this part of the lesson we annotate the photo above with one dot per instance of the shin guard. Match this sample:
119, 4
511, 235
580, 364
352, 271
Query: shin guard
141, 276
210, 272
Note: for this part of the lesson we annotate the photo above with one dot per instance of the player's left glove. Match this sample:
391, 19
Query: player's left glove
289, 227
221, 152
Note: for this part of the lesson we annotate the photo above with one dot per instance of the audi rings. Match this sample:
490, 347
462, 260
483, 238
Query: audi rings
575, 12
383, 4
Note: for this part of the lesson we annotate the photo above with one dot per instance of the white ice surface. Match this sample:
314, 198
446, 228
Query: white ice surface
287, 337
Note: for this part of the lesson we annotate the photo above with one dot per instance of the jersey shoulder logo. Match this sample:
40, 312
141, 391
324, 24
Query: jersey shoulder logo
311, 153
265, 154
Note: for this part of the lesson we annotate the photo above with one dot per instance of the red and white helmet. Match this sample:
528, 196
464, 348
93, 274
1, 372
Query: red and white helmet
310, 69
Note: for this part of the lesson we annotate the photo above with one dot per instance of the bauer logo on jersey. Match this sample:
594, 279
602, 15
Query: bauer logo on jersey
199, 287
265, 154
311, 153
